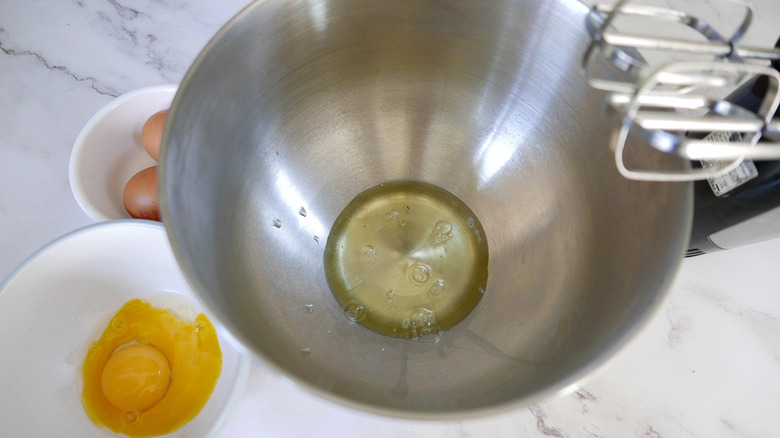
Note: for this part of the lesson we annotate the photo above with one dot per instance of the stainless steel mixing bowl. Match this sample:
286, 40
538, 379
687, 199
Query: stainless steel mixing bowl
303, 104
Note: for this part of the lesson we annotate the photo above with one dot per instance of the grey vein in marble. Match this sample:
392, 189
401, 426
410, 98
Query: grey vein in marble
126, 11
591, 433
541, 425
651, 433
584, 396
761, 323
93, 83
680, 323
138, 36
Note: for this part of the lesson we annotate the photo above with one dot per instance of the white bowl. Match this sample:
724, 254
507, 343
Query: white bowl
61, 299
108, 151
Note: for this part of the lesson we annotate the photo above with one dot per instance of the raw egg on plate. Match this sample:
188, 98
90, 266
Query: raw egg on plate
150, 373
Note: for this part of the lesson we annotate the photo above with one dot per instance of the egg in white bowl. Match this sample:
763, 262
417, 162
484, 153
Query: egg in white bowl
110, 150
60, 303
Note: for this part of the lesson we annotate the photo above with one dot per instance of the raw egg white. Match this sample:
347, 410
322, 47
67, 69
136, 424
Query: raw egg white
150, 373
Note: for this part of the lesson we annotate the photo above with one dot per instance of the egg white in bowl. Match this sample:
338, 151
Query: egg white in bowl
61, 299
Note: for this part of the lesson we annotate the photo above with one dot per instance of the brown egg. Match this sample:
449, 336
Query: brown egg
141, 196
151, 134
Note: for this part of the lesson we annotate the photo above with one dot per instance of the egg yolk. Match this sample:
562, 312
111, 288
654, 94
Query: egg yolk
150, 373
135, 378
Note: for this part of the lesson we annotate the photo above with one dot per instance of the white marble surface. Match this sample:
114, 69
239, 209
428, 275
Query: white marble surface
707, 365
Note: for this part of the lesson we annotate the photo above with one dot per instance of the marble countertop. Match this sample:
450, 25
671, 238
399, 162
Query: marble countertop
707, 364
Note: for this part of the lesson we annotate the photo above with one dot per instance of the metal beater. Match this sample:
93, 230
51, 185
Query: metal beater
671, 105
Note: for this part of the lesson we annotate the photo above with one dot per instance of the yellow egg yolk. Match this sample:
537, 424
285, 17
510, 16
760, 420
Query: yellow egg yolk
136, 377
150, 373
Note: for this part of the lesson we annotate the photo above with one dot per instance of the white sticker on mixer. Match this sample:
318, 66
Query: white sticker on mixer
743, 173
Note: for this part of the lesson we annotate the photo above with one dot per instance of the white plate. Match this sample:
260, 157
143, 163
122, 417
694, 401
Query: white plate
60, 300
108, 151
